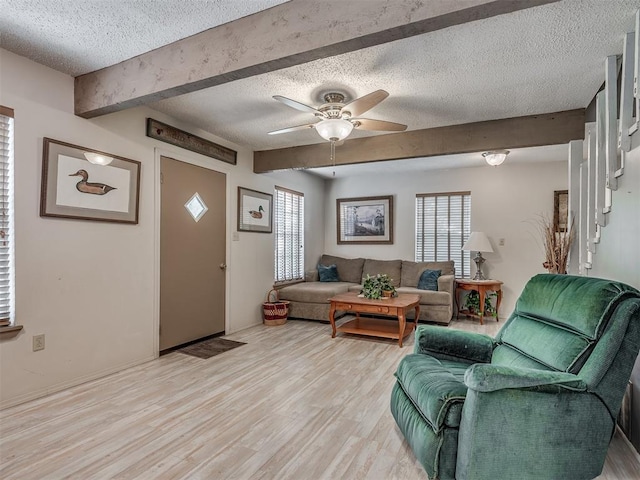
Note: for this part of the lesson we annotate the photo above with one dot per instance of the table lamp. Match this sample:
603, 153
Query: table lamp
478, 242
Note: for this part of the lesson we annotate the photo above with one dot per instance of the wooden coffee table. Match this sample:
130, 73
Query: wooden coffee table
386, 328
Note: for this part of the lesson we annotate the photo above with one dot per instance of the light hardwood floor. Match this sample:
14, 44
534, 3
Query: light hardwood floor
291, 404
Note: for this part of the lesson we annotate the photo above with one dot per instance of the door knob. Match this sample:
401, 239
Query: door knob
223, 266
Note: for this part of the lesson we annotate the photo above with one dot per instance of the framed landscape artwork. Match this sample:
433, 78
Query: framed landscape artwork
365, 220
255, 211
72, 187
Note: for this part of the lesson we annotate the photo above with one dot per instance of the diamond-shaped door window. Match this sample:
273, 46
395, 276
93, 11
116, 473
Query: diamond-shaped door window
196, 207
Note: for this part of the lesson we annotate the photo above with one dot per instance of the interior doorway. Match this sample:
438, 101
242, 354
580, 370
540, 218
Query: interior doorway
192, 252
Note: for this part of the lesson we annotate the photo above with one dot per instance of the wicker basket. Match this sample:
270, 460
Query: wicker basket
275, 312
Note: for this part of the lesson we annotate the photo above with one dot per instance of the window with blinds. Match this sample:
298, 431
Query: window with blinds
289, 235
443, 225
6, 216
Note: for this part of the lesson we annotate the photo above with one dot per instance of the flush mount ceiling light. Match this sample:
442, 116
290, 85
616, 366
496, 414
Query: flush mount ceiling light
97, 158
495, 157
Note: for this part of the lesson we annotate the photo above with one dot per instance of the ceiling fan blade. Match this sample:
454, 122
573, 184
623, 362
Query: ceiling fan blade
293, 104
378, 125
293, 129
367, 102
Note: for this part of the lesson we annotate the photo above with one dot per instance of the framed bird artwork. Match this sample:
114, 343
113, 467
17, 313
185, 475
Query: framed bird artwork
255, 212
87, 184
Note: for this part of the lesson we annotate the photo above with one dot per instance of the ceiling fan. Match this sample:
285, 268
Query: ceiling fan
338, 119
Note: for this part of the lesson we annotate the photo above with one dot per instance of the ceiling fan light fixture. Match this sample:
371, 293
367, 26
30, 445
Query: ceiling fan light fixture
334, 129
495, 157
97, 158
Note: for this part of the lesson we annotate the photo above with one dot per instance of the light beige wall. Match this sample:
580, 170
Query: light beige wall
505, 203
91, 287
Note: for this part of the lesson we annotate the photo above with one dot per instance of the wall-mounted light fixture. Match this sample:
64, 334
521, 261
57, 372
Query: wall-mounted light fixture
495, 157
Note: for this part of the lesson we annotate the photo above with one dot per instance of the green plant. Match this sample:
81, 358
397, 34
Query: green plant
374, 286
472, 303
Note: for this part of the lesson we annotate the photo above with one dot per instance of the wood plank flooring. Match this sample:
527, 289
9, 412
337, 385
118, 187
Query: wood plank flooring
291, 404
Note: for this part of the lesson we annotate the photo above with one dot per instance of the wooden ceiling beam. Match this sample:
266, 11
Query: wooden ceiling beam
288, 34
520, 132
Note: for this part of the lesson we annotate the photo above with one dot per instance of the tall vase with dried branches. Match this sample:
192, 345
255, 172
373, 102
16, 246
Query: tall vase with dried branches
556, 244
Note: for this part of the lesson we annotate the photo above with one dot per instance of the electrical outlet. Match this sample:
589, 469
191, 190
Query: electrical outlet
38, 342
501, 242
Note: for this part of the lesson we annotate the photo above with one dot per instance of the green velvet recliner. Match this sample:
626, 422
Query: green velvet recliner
539, 401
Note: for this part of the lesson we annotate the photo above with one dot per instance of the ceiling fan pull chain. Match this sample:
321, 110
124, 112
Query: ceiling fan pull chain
333, 156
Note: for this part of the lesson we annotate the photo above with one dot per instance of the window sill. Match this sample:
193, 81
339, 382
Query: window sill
10, 331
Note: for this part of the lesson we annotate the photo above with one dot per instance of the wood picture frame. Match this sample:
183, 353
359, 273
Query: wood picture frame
365, 220
72, 187
255, 211
561, 210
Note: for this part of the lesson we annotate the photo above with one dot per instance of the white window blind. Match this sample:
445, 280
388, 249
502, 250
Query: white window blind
443, 224
6, 215
289, 235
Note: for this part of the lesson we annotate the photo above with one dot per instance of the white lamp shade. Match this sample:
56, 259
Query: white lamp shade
477, 242
98, 159
334, 129
495, 158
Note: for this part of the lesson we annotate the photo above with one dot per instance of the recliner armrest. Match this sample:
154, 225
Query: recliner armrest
489, 378
442, 342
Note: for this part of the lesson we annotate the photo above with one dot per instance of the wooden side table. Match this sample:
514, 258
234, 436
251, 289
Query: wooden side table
480, 286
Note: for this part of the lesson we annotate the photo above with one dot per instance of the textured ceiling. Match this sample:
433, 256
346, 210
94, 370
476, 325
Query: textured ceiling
544, 59
80, 36
541, 60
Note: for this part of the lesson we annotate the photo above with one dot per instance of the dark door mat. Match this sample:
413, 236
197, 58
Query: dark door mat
210, 347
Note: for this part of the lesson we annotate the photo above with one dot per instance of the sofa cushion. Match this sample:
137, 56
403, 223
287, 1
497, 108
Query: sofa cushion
436, 390
349, 269
311, 275
429, 280
390, 267
313, 292
411, 271
328, 274
428, 297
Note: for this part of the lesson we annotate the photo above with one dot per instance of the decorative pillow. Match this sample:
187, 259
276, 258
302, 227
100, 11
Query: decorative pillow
429, 280
328, 273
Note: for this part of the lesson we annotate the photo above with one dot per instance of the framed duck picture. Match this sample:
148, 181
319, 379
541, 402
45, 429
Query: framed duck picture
86, 184
255, 211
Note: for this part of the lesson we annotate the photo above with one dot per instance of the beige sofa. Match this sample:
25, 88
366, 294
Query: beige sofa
310, 299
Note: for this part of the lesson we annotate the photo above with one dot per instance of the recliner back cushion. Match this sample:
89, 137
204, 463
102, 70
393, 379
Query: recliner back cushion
547, 344
556, 321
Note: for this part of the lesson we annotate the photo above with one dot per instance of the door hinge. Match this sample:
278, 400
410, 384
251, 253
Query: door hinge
161, 178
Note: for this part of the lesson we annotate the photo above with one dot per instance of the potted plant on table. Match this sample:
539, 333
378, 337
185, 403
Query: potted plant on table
377, 287
472, 303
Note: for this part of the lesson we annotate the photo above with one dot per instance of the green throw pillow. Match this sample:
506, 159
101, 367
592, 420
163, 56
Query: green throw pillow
328, 273
429, 280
